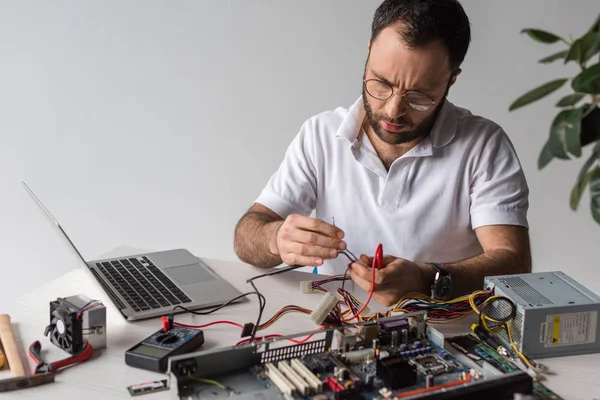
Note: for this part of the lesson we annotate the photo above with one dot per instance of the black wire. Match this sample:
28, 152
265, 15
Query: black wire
261, 307
262, 302
217, 308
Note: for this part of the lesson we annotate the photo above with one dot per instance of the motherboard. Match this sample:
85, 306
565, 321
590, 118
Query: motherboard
393, 357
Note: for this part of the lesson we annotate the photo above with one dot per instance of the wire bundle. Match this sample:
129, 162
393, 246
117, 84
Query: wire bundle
495, 315
439, 311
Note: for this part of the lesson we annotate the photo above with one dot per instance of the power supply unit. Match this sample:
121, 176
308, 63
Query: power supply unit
555, 315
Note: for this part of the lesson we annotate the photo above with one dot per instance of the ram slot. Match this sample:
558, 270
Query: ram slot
311, 378
279, 380
293, 376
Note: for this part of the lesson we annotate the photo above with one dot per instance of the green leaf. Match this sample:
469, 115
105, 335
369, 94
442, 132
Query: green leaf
582, 181
554, 57
537, 93
595, 194
570, 100
588, 81
589, 45
574, 53
565, 133
542, 36
545, 156
596, 25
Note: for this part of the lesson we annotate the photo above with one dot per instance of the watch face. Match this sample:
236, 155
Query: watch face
443, 286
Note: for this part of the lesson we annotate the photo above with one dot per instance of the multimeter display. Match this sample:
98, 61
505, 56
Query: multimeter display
153, 352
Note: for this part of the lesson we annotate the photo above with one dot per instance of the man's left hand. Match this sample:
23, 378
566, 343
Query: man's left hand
396, 278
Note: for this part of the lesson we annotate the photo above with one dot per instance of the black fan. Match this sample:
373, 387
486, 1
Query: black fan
65, 328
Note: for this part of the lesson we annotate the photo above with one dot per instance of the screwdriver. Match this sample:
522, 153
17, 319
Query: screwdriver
489, 339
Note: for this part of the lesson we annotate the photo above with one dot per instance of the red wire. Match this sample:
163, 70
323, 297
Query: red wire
209, 324
277, 335
377, 264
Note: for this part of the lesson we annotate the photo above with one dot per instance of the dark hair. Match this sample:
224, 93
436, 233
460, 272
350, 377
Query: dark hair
422, 21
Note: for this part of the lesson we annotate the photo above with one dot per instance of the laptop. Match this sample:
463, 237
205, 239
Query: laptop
148, 285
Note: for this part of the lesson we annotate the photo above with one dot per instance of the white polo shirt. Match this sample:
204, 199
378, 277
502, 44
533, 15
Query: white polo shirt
466, 174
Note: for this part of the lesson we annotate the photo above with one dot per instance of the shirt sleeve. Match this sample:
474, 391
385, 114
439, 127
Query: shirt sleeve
499, 190
292, 189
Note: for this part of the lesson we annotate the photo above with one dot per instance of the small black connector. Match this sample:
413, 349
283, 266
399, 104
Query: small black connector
247, 330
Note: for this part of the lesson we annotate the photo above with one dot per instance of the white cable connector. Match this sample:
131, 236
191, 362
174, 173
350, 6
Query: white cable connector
306, 287
320, 312
366, 312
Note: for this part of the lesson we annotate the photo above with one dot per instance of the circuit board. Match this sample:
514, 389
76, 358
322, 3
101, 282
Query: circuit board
421, 365
375, 360
480, 352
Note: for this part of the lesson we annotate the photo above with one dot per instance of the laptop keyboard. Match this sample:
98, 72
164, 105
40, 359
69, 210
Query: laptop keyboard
142, 284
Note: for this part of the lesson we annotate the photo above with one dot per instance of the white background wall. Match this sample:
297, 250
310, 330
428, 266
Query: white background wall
155, 124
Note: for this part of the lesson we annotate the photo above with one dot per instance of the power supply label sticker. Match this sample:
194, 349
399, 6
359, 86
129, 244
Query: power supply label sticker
570, 329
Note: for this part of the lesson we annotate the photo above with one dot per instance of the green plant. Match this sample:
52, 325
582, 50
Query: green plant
577, 124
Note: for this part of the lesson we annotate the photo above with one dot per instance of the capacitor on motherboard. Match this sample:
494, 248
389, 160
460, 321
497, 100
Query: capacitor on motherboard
429, 381
394, 339
405, 336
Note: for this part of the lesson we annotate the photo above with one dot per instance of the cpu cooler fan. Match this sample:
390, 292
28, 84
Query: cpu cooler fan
65, 328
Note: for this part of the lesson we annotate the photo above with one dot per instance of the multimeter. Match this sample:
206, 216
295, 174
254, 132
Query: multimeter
153, 352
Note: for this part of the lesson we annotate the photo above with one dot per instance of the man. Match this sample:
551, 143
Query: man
441, 189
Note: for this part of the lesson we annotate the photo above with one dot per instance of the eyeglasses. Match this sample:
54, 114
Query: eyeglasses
381, 90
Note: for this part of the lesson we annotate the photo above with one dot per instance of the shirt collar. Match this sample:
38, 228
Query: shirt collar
442, 133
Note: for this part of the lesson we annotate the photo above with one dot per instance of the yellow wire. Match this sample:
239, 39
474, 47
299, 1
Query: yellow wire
209, 381
514, 346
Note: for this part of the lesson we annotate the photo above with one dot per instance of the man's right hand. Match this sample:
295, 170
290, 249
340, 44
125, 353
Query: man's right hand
307, 241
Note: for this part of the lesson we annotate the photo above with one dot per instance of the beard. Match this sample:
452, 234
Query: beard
418, 131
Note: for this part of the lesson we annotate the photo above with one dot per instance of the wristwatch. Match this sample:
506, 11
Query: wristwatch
442, 283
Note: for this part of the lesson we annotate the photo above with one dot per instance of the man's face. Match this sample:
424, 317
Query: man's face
423, 71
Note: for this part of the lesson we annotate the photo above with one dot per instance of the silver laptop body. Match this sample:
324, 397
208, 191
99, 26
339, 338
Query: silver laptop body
149, 285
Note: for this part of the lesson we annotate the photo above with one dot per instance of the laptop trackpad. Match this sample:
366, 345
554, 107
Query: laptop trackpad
190, 274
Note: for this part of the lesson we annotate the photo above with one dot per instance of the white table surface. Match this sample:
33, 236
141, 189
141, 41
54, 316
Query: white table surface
106, 375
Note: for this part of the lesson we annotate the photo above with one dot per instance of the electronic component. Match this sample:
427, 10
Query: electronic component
320, 368
247, 329
64, 330
394, 332
314, 382
555, 315
326, 305
368, 333
431, 364
76, 319
282, 383
357, 356
93, 319
396, 372
148, 387
301, 385
306, 287
346, 340
153, 352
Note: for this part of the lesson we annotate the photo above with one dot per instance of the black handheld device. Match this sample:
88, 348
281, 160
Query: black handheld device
153, 352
